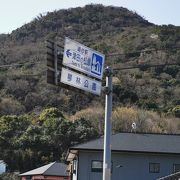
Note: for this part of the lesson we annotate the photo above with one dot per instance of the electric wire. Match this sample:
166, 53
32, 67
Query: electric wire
19, 64
145, 66
143, 51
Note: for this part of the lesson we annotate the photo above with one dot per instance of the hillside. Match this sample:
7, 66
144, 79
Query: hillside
107, 29
148, 96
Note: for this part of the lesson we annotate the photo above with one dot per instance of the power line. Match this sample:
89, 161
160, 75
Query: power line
143, 51
108, 55
16, 65
144, 66
115, 69
24, 75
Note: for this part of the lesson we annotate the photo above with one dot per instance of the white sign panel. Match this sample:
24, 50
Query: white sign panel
80, 81
83, 59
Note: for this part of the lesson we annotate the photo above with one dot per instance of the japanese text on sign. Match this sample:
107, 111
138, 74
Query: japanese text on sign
80, 81
82, 58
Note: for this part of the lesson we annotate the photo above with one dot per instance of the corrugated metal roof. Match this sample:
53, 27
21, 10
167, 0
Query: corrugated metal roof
156, 143
52, 169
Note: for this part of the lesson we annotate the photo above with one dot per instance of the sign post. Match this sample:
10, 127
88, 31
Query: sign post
83, 69
107, 128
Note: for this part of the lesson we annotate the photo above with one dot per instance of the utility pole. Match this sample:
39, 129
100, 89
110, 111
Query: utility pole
107, 128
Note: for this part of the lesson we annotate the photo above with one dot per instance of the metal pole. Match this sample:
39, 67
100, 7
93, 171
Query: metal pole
107, 128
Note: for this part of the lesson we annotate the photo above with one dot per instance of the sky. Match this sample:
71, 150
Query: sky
15, 13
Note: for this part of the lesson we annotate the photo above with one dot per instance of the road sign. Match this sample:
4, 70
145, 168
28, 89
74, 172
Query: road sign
83, 59
80, 81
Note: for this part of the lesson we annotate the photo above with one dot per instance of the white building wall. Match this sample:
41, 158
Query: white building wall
2, 167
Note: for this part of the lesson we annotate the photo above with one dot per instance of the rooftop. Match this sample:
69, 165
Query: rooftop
135, 142
52, 169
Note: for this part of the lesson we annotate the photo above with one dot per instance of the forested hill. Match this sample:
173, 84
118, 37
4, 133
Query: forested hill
77, 22
148, 96
102, 28
110, 30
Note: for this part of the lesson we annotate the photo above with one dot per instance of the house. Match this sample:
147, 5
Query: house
134, 157
52, 171
2, 167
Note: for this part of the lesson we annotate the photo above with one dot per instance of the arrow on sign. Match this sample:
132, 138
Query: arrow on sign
68, 53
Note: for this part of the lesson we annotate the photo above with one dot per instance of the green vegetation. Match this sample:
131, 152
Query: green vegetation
32, 140
9, 176
39, 122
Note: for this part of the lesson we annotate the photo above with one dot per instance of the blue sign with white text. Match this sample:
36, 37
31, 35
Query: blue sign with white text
83, 59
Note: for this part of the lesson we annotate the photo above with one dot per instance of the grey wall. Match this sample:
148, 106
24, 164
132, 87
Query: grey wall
134, 166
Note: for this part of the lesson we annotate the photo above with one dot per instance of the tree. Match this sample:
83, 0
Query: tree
11, 129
